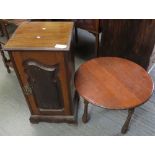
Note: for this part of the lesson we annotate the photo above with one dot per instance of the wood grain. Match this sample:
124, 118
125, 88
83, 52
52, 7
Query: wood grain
40, 36
113, 83
128, 38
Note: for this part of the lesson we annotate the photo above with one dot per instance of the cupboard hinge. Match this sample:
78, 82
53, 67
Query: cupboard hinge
27, 90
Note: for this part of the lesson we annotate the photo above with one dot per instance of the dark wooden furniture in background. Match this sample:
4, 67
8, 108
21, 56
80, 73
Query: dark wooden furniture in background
4, 32
42, 56
5, 22
113, 83
131, 39
1, 30
6, 61
3, 27
90, 25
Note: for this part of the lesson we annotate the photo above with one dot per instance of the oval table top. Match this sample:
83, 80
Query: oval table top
113, 83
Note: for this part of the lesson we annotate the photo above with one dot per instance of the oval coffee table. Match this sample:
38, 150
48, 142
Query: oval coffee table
113, 83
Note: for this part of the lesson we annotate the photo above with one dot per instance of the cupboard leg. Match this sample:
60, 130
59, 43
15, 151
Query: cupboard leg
33, 120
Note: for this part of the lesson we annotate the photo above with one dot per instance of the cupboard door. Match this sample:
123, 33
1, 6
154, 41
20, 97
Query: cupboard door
43, 79
44, 83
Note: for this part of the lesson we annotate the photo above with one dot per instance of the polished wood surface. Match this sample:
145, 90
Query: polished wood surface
41, 36
132, 39
46, 76
113, 83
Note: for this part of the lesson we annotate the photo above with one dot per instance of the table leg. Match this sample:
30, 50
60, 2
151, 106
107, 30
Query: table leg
85, 114
126, 124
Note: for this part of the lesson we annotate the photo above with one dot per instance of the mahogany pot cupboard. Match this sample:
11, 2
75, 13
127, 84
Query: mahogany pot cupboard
42, 57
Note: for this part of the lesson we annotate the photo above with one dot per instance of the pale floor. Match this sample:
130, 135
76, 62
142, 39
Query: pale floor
14, 113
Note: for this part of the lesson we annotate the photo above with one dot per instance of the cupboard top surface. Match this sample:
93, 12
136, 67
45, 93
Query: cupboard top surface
41, 36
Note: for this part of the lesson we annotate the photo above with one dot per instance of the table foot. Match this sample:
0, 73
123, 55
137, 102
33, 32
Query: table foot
127, 122
85, 114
